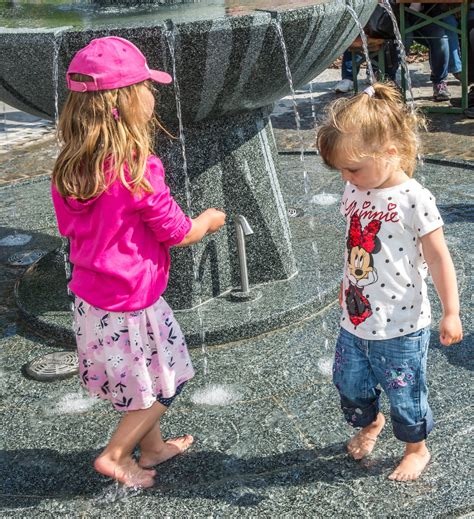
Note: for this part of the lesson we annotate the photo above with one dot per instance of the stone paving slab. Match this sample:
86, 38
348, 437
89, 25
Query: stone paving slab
19, 128
28, 161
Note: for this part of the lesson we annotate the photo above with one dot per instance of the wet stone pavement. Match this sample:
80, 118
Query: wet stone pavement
275, 445
449, 135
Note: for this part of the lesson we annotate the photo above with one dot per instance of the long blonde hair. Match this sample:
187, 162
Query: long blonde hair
363, 125
101, 130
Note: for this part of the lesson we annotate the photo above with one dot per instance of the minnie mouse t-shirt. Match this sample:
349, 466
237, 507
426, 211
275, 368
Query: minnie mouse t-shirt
384, 292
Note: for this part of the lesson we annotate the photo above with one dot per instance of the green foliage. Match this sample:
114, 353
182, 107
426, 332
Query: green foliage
418, 48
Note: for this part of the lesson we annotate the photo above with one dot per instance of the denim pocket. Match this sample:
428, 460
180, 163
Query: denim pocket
412, 337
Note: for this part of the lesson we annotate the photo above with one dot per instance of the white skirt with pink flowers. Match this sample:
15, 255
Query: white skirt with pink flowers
130, 358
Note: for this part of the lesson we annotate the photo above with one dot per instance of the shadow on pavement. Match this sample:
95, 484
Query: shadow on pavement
48, 474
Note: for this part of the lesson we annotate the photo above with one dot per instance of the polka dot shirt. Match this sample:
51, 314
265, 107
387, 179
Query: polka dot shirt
385, 293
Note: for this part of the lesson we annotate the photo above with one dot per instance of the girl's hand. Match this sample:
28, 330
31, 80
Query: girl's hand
340, 295
216, 218
450, 329
208, 222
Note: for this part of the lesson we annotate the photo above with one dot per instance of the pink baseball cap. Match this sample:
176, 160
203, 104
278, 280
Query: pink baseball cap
112, 62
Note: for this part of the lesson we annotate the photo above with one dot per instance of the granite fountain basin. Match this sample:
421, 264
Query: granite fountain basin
230, 63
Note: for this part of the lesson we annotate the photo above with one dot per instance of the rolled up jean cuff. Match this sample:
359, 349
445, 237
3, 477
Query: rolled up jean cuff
413, 433
359, 416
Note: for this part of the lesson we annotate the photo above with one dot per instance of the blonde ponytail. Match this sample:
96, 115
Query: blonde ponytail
364, 124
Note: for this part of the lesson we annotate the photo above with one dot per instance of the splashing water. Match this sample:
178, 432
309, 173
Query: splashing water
215, 394
313, 107
401, 48
115, 492
325, 366
324, 199
57, 35
365, 45
279, 30
170, 36
73, 403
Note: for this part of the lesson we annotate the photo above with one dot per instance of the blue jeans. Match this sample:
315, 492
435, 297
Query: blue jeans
399, 366
455, 64
434, 37
391, 63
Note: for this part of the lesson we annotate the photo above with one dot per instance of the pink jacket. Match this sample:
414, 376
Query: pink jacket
120, 242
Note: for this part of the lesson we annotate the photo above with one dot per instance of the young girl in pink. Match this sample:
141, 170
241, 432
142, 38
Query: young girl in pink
112, 202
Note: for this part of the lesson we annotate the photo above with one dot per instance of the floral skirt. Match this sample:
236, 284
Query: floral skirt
130, 358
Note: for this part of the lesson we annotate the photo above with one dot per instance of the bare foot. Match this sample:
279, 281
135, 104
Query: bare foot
413, 463
128, 472
168, 449
363, 443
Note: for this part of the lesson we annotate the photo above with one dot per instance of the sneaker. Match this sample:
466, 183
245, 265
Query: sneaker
344, 86
470, 97
469, 112
457, 75
441, 92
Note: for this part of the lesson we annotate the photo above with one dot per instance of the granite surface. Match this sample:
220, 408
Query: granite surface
276, 448
227, 70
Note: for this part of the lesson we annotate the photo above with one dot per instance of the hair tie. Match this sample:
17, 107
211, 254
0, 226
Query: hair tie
115, 113
370, 91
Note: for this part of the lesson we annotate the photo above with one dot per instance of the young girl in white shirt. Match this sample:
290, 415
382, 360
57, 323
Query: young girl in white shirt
394, 234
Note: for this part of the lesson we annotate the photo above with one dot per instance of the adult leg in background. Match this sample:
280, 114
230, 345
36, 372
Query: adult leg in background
455, 65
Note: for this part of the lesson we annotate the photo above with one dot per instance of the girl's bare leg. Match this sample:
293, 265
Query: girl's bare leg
154, 450
116, 460
413, 463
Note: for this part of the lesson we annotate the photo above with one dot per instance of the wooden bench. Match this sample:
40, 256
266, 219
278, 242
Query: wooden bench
376, 48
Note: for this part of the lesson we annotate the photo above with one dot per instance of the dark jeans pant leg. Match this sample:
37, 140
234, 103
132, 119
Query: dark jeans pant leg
435, 38
355, 381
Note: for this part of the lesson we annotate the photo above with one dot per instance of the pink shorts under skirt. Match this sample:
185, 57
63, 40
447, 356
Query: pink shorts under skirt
130, 358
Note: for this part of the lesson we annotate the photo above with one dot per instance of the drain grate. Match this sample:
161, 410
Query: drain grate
22, 259
294, 212
53, 366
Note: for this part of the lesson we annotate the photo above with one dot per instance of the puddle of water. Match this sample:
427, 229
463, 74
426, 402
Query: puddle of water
325, 199
215, 394
15, 240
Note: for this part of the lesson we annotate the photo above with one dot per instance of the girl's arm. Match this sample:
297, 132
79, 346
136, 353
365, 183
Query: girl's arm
442, 271
208, 222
